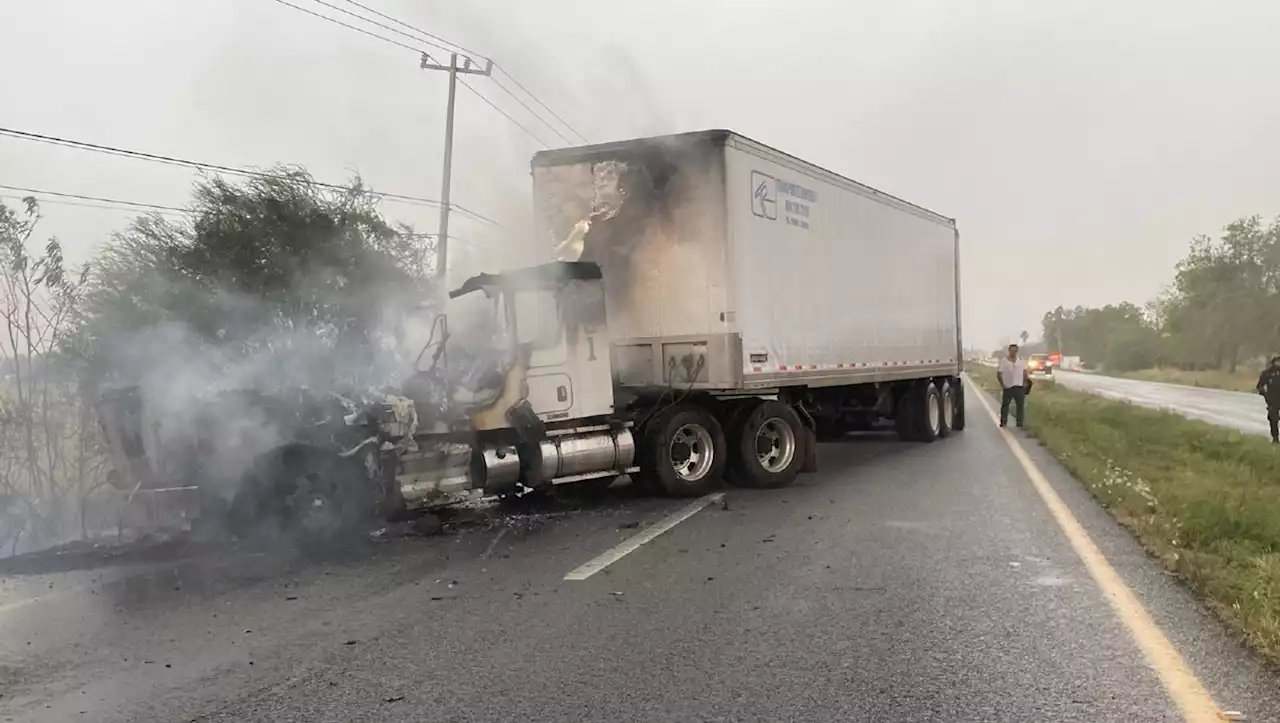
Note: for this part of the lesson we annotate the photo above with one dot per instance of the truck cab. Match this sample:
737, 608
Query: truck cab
532, 409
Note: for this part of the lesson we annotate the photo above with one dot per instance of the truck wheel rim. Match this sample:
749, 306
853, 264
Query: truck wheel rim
691, 452
775, 445
949, 407
935, 413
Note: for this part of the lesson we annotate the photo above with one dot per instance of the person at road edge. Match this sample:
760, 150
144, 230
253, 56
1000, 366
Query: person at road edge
1269, 388
1012, 373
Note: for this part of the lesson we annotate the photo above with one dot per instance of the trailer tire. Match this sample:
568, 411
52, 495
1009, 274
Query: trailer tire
946, 400
957, 391
928, 416
683, 454
768, 447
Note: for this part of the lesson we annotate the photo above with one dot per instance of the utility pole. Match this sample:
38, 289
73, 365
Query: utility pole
468, 67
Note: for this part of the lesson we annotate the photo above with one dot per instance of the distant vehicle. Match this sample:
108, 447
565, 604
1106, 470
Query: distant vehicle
1071, 363
1039, 365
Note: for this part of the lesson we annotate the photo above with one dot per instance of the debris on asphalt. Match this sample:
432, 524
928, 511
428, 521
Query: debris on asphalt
394, 699
724, 503
628, 525
1230, 715
615, 593
291, 597
423, 526
351, 642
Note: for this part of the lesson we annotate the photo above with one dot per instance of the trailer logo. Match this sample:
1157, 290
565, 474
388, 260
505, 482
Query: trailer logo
797, 207
764, 196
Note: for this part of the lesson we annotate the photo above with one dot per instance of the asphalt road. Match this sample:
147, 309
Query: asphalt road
900, 583
1245, 412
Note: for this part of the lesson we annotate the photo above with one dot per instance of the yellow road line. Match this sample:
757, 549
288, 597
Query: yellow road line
1188, 693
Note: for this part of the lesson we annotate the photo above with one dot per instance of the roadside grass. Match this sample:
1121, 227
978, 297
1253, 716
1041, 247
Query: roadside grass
1240, 381
1204, 500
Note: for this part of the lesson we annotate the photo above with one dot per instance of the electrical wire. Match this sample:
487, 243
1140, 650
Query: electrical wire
349, 26
538, 100
61, 202
474, 55
98, 199
384, 26
417, 50
504, 114
496, 66
188, 163
532, 112
438, 42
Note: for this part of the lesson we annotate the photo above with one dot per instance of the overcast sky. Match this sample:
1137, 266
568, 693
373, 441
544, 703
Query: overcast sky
1079, 144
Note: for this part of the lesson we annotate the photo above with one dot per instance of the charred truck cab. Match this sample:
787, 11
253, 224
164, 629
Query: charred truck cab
547, 417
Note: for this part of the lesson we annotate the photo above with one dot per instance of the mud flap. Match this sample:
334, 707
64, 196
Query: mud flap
810, 450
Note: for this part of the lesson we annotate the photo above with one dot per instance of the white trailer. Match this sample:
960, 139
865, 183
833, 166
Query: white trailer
738, 278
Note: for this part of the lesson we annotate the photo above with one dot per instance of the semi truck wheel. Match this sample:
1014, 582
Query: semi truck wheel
768, 447
684, 452
947, 399
929, 416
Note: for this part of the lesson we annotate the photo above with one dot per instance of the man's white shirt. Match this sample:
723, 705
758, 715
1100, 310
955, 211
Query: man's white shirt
1013, 373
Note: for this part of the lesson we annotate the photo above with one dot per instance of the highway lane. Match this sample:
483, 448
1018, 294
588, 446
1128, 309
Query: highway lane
1238, 410
900, 583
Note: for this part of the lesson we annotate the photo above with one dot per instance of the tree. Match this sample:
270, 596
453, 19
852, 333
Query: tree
48, 449
1222, 308
1024, 336
261, 266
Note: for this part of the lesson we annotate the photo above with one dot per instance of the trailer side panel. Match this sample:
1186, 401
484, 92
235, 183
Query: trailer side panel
834, 282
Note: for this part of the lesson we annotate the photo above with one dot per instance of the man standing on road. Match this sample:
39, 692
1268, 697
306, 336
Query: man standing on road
1012, 373
1269, 388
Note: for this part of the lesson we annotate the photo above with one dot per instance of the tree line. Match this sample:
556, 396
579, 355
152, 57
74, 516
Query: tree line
1221, 310
276, 256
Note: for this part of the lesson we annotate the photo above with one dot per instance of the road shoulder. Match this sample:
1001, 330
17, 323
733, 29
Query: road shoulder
1238, 678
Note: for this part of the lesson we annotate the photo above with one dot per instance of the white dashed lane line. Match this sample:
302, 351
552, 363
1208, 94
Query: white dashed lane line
635, 542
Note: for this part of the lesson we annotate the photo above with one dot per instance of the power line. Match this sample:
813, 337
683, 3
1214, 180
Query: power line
347, 25
438, 42
63, 198
534, 113
539, 102
97, 199
474, 55
188, 163
506, 72
62, 202
491, 104
504, 114
384, 26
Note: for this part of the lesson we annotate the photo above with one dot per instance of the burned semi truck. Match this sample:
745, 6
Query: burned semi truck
709, 309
